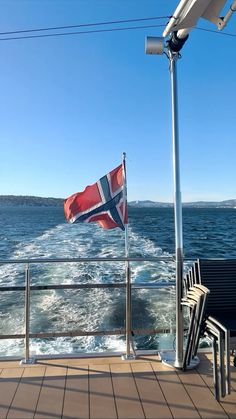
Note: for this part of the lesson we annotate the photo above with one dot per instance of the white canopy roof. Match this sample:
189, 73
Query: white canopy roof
188, 12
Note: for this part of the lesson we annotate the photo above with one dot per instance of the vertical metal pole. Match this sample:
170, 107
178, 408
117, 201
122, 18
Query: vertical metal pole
125, 205
27, 312
128, 311
27, 359
178, 212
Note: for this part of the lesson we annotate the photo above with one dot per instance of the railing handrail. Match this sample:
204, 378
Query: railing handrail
79, 333
93, 259
141, 285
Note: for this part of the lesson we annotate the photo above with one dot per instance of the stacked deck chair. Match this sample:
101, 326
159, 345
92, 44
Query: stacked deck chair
219, 324
195, 300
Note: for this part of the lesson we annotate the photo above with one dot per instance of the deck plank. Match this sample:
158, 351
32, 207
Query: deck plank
201, 396
228, 403
109, 387
52, 393
178, 400
9, 381
153, 401
76, 400
102, 403
126, 394
26, 396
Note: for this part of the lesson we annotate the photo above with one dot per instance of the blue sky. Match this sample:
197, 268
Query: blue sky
70, 105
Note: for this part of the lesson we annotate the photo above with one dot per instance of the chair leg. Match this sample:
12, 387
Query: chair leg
188, 351
215, 369
227, 355
223, 335
222, 377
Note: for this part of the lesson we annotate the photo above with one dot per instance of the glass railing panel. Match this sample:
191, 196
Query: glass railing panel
12, 308
71, 311
77, 272
154, 309
92, 310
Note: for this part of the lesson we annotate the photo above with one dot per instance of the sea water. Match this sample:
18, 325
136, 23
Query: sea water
42, 232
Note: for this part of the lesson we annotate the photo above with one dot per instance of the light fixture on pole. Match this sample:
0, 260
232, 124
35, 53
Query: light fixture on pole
183, 20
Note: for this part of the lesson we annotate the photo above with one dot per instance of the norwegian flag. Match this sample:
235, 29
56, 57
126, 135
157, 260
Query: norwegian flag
102, 202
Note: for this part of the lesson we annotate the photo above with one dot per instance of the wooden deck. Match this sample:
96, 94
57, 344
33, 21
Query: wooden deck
110, 388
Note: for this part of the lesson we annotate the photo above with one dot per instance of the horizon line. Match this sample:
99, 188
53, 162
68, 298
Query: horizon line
132, 200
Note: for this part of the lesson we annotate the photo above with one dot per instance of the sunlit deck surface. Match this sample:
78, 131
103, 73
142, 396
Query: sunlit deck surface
107, 387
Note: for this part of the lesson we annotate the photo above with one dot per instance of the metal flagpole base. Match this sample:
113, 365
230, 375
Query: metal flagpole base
28, 361
168, 358
128, 357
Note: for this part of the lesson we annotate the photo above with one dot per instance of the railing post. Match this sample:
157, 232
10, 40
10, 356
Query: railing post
128, 309
27, 359
128, 313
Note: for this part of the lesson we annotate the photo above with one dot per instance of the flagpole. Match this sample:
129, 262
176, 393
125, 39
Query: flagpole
128, 354
125, 206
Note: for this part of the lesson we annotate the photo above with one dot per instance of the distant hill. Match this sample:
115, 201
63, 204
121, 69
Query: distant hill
40, 201
30, 201
230, 203
150, 204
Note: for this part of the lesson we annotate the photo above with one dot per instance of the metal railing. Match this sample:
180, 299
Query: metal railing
127, 285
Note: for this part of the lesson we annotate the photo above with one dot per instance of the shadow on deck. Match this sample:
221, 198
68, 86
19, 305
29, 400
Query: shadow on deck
110, 388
